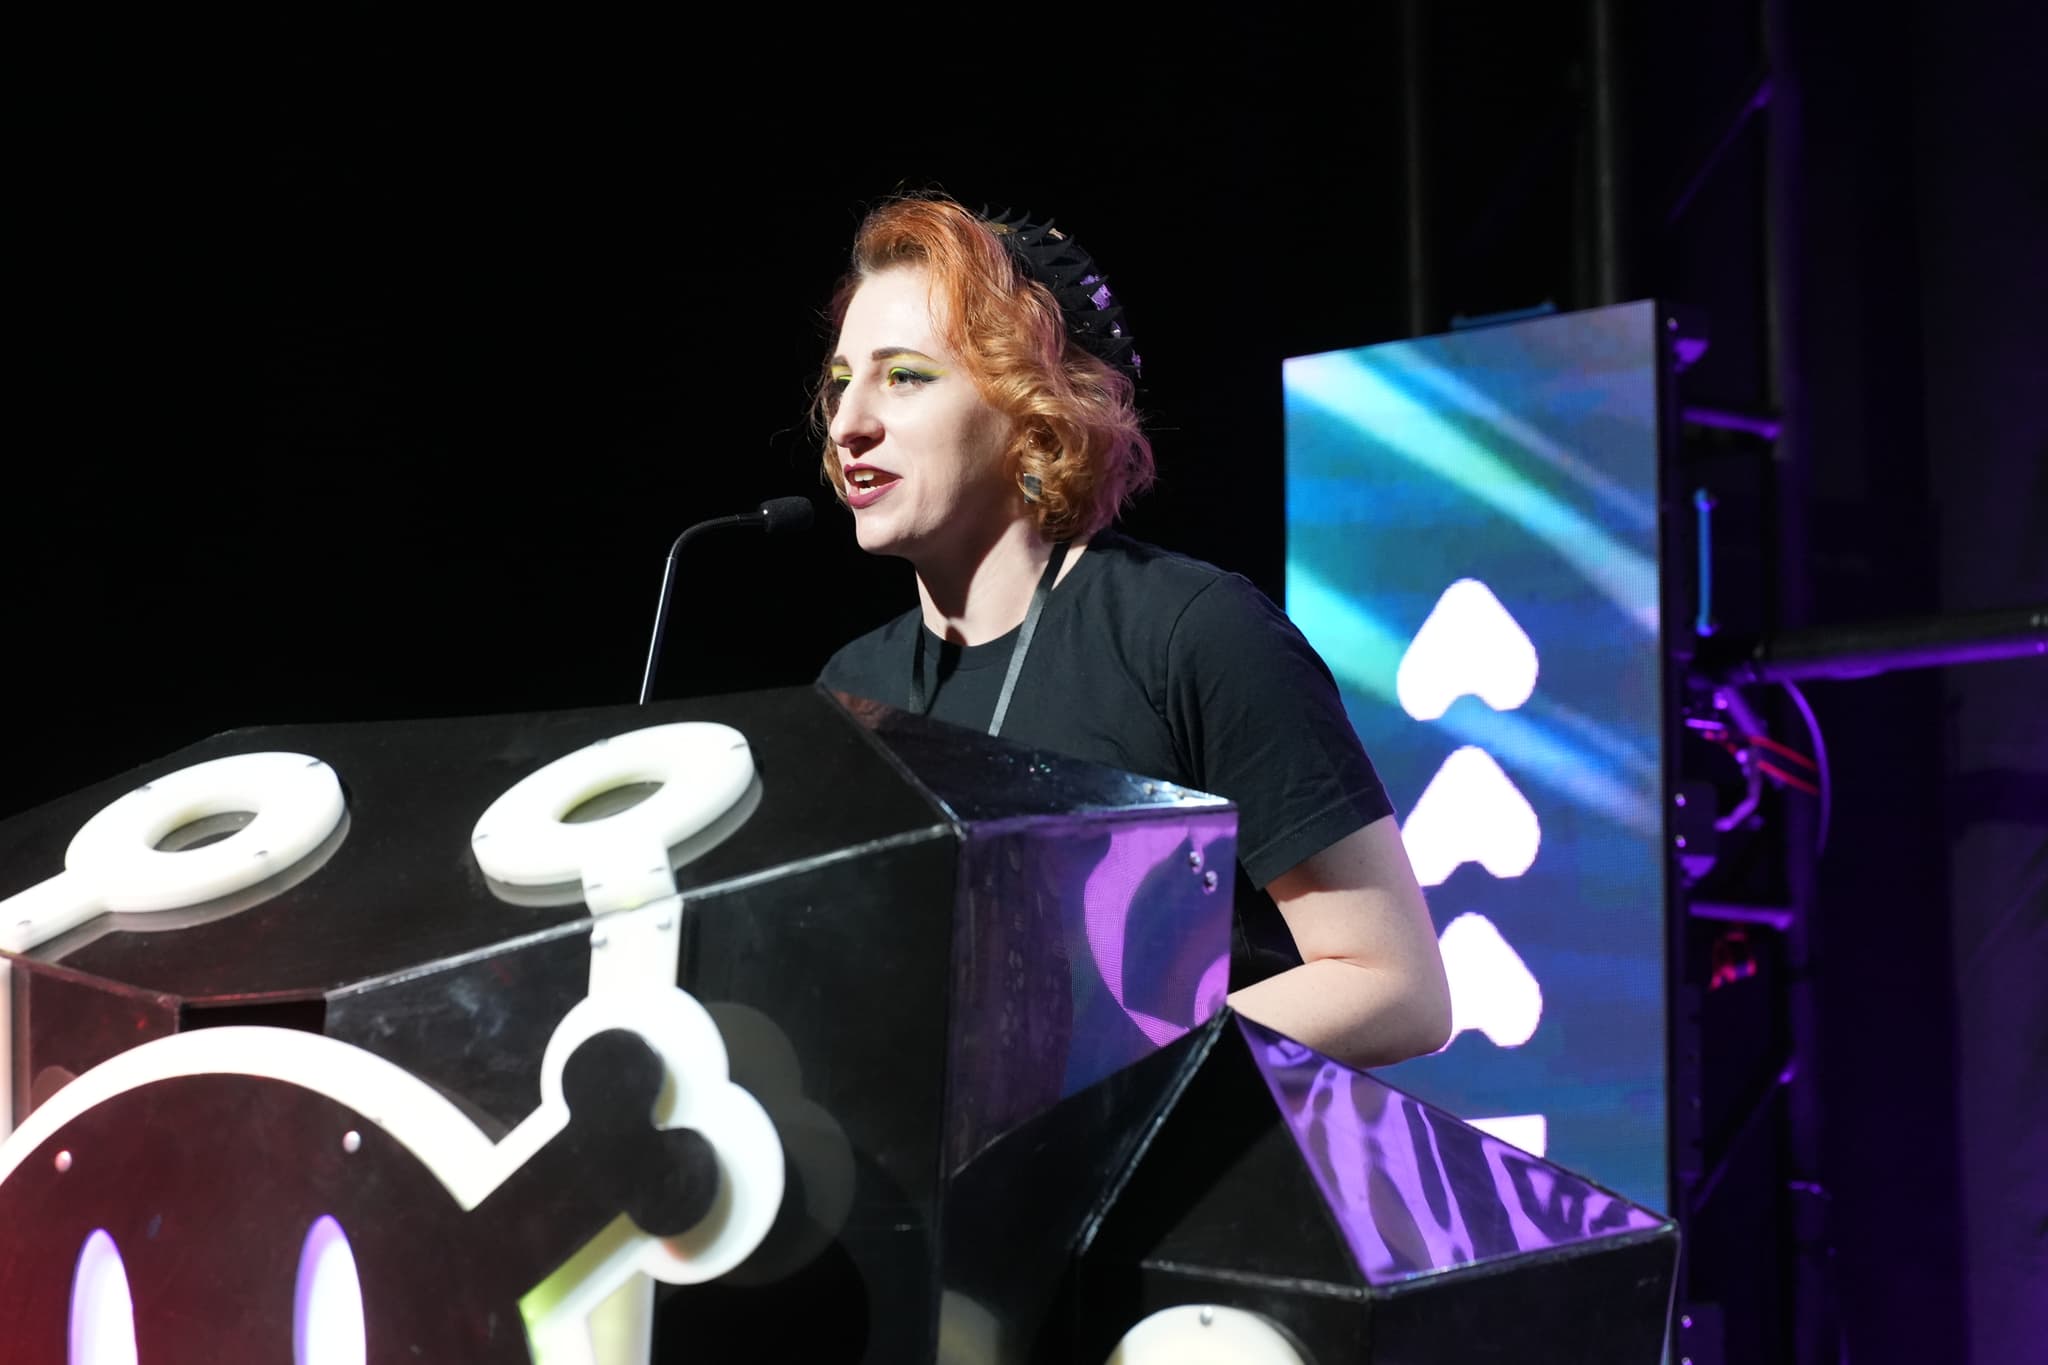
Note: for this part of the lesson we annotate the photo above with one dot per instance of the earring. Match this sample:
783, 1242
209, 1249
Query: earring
1034, 490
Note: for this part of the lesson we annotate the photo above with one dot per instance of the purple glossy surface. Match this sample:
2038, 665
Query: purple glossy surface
1413, 1190
1081, 945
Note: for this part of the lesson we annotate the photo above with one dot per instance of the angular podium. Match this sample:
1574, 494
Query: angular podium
872, 1039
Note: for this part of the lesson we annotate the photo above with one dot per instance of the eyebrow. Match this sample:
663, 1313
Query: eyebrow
883, 353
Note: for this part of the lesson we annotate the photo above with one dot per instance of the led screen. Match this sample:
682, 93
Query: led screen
1472, 545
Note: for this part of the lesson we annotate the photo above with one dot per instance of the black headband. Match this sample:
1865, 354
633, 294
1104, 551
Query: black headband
1095, 320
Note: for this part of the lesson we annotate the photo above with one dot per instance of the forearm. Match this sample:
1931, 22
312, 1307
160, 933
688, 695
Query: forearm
1362, 1015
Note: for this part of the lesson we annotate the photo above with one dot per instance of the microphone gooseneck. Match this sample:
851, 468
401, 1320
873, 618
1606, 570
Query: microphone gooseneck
776, 514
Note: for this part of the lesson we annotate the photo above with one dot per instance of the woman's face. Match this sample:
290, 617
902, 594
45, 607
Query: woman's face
921, 452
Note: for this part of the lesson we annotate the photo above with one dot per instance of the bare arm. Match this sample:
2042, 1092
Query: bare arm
1371, 988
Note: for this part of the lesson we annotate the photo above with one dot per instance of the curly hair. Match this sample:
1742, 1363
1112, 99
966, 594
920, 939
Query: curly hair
1075, 416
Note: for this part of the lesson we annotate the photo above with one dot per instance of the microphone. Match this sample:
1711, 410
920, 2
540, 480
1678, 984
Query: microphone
784, 514
776, 514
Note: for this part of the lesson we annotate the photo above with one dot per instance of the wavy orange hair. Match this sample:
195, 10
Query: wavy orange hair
1075, 416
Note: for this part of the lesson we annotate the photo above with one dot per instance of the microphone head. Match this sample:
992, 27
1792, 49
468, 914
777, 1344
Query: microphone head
786, 514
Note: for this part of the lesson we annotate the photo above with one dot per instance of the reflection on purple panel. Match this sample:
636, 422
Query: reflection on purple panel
1082, 947
1137, 858
1414, 1190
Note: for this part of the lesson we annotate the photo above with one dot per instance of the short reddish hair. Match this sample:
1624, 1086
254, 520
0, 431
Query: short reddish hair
1075, 415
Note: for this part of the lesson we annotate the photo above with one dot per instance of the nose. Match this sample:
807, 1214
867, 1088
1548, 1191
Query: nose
855, 427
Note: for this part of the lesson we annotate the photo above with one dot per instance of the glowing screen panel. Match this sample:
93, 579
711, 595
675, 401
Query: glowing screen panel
1472, 546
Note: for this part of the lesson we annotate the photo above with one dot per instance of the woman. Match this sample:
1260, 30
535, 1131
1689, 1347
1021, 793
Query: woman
980, 423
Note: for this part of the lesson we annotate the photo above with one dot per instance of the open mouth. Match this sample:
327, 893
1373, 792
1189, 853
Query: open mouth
865, 486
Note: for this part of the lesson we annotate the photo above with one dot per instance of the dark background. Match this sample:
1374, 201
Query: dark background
366, 369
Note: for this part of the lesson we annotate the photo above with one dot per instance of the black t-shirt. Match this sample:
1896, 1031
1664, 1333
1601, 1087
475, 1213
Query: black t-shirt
1171, 668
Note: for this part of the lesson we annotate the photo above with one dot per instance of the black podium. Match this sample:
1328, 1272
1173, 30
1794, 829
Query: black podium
967, 1006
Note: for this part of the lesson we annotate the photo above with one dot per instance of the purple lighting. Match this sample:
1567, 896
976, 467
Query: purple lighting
1414, 1191
1213, 988
327, 1308
102, 1310
1134, 854
1083, 950
1766, 428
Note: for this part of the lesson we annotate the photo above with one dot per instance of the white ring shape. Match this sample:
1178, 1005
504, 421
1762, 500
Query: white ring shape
703, 769
698, 1093
297, 802
1205, 1334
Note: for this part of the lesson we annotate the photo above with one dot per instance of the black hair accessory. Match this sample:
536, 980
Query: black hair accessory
1094, 318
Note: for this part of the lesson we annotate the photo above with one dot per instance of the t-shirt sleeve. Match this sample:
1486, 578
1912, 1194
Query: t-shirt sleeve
1259, 715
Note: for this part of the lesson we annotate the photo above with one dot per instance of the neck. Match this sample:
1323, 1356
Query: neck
984, 595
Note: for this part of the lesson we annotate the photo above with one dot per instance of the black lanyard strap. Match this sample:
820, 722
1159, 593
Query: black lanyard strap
921, 703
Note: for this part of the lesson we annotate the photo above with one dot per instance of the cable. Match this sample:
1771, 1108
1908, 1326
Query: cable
1785, 749
1747, 743
1730, 699
1781, 776
1785, 779
1820, 755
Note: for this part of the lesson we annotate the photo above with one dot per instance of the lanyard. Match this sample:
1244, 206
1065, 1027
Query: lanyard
922, 704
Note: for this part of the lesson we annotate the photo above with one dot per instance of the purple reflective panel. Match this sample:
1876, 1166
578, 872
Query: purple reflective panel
1136, 855
1213, 988
1414, 1190
1083, 946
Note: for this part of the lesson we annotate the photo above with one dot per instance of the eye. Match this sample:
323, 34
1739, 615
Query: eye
902, 376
